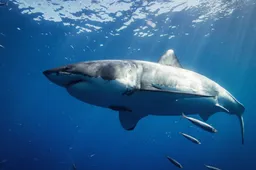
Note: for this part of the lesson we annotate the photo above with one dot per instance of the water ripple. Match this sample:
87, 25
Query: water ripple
89, 15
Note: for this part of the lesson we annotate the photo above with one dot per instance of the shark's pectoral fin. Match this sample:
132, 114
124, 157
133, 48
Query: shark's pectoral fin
129, 120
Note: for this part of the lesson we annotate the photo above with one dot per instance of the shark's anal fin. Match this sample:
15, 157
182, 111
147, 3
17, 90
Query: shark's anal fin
129, 120
169, 58
205, 116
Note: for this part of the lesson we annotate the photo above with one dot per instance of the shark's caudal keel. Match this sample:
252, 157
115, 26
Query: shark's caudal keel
137, 89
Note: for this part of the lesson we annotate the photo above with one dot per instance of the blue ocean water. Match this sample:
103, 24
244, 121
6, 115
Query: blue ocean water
43, 127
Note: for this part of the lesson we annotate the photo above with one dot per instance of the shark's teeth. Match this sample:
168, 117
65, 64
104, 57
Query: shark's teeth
63, 72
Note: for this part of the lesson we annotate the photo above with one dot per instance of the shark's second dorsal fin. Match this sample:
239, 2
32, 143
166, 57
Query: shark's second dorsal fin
170, 59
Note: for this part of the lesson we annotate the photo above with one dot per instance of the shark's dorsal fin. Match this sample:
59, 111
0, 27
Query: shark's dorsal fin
129, 120
170, 59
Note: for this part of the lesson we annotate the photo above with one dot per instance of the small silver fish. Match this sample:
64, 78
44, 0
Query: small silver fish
74, 167
200, 124
211, 167
92, 155
191, 138
3, 161
176, 163
1, 46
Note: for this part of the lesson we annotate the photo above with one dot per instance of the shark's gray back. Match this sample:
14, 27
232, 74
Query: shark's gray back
150, 75
176, 79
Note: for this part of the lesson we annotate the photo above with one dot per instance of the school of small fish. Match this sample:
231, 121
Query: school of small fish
203, 126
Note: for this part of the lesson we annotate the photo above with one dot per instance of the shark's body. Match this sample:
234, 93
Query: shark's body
139, 88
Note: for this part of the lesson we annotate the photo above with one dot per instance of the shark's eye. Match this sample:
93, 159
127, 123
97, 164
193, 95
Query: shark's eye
66, 68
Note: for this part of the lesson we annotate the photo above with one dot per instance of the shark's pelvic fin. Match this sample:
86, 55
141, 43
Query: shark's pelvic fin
169, 58
129, 120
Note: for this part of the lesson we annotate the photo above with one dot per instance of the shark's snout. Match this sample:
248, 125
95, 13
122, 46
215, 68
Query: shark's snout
48, 72
62, 76
66, 69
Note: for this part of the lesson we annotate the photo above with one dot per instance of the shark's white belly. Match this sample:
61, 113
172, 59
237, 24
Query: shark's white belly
110, 94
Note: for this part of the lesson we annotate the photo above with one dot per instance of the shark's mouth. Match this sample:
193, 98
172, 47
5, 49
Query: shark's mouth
71, 83
74, 83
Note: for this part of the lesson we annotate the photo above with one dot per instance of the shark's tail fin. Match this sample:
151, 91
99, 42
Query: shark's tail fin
239, 111
241, 120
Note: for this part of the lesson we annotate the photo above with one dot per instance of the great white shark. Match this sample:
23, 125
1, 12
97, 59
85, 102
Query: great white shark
138, 88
